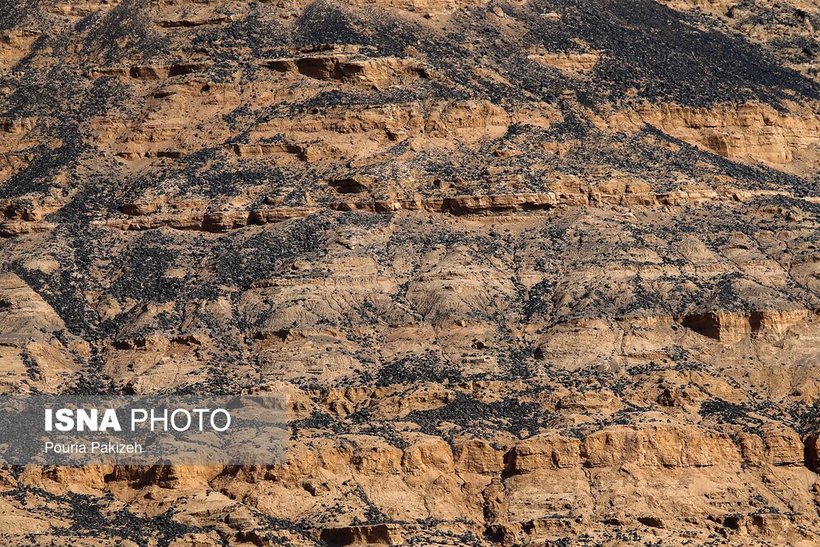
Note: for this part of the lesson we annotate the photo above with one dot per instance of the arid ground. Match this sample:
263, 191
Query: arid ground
535, 272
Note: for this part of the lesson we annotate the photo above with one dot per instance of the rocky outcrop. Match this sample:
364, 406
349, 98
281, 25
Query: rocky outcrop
152, 72
748, 132
523, 272
774, 446
658, 447
733, 327
378, 534
382, 71
35, 348
24, 315
543, 452
812, 451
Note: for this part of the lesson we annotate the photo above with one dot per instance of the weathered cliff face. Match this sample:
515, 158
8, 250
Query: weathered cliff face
785, 29
526, 272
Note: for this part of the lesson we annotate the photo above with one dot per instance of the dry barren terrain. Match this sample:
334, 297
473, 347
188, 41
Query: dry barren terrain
528, 272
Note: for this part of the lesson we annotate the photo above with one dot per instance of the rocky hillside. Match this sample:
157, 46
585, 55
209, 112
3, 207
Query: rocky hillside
528, 272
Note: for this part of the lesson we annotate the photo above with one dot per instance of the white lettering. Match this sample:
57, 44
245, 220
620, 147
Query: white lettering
227, 419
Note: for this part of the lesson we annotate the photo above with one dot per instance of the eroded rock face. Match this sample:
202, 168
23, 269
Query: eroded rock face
526, 272
747, 132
